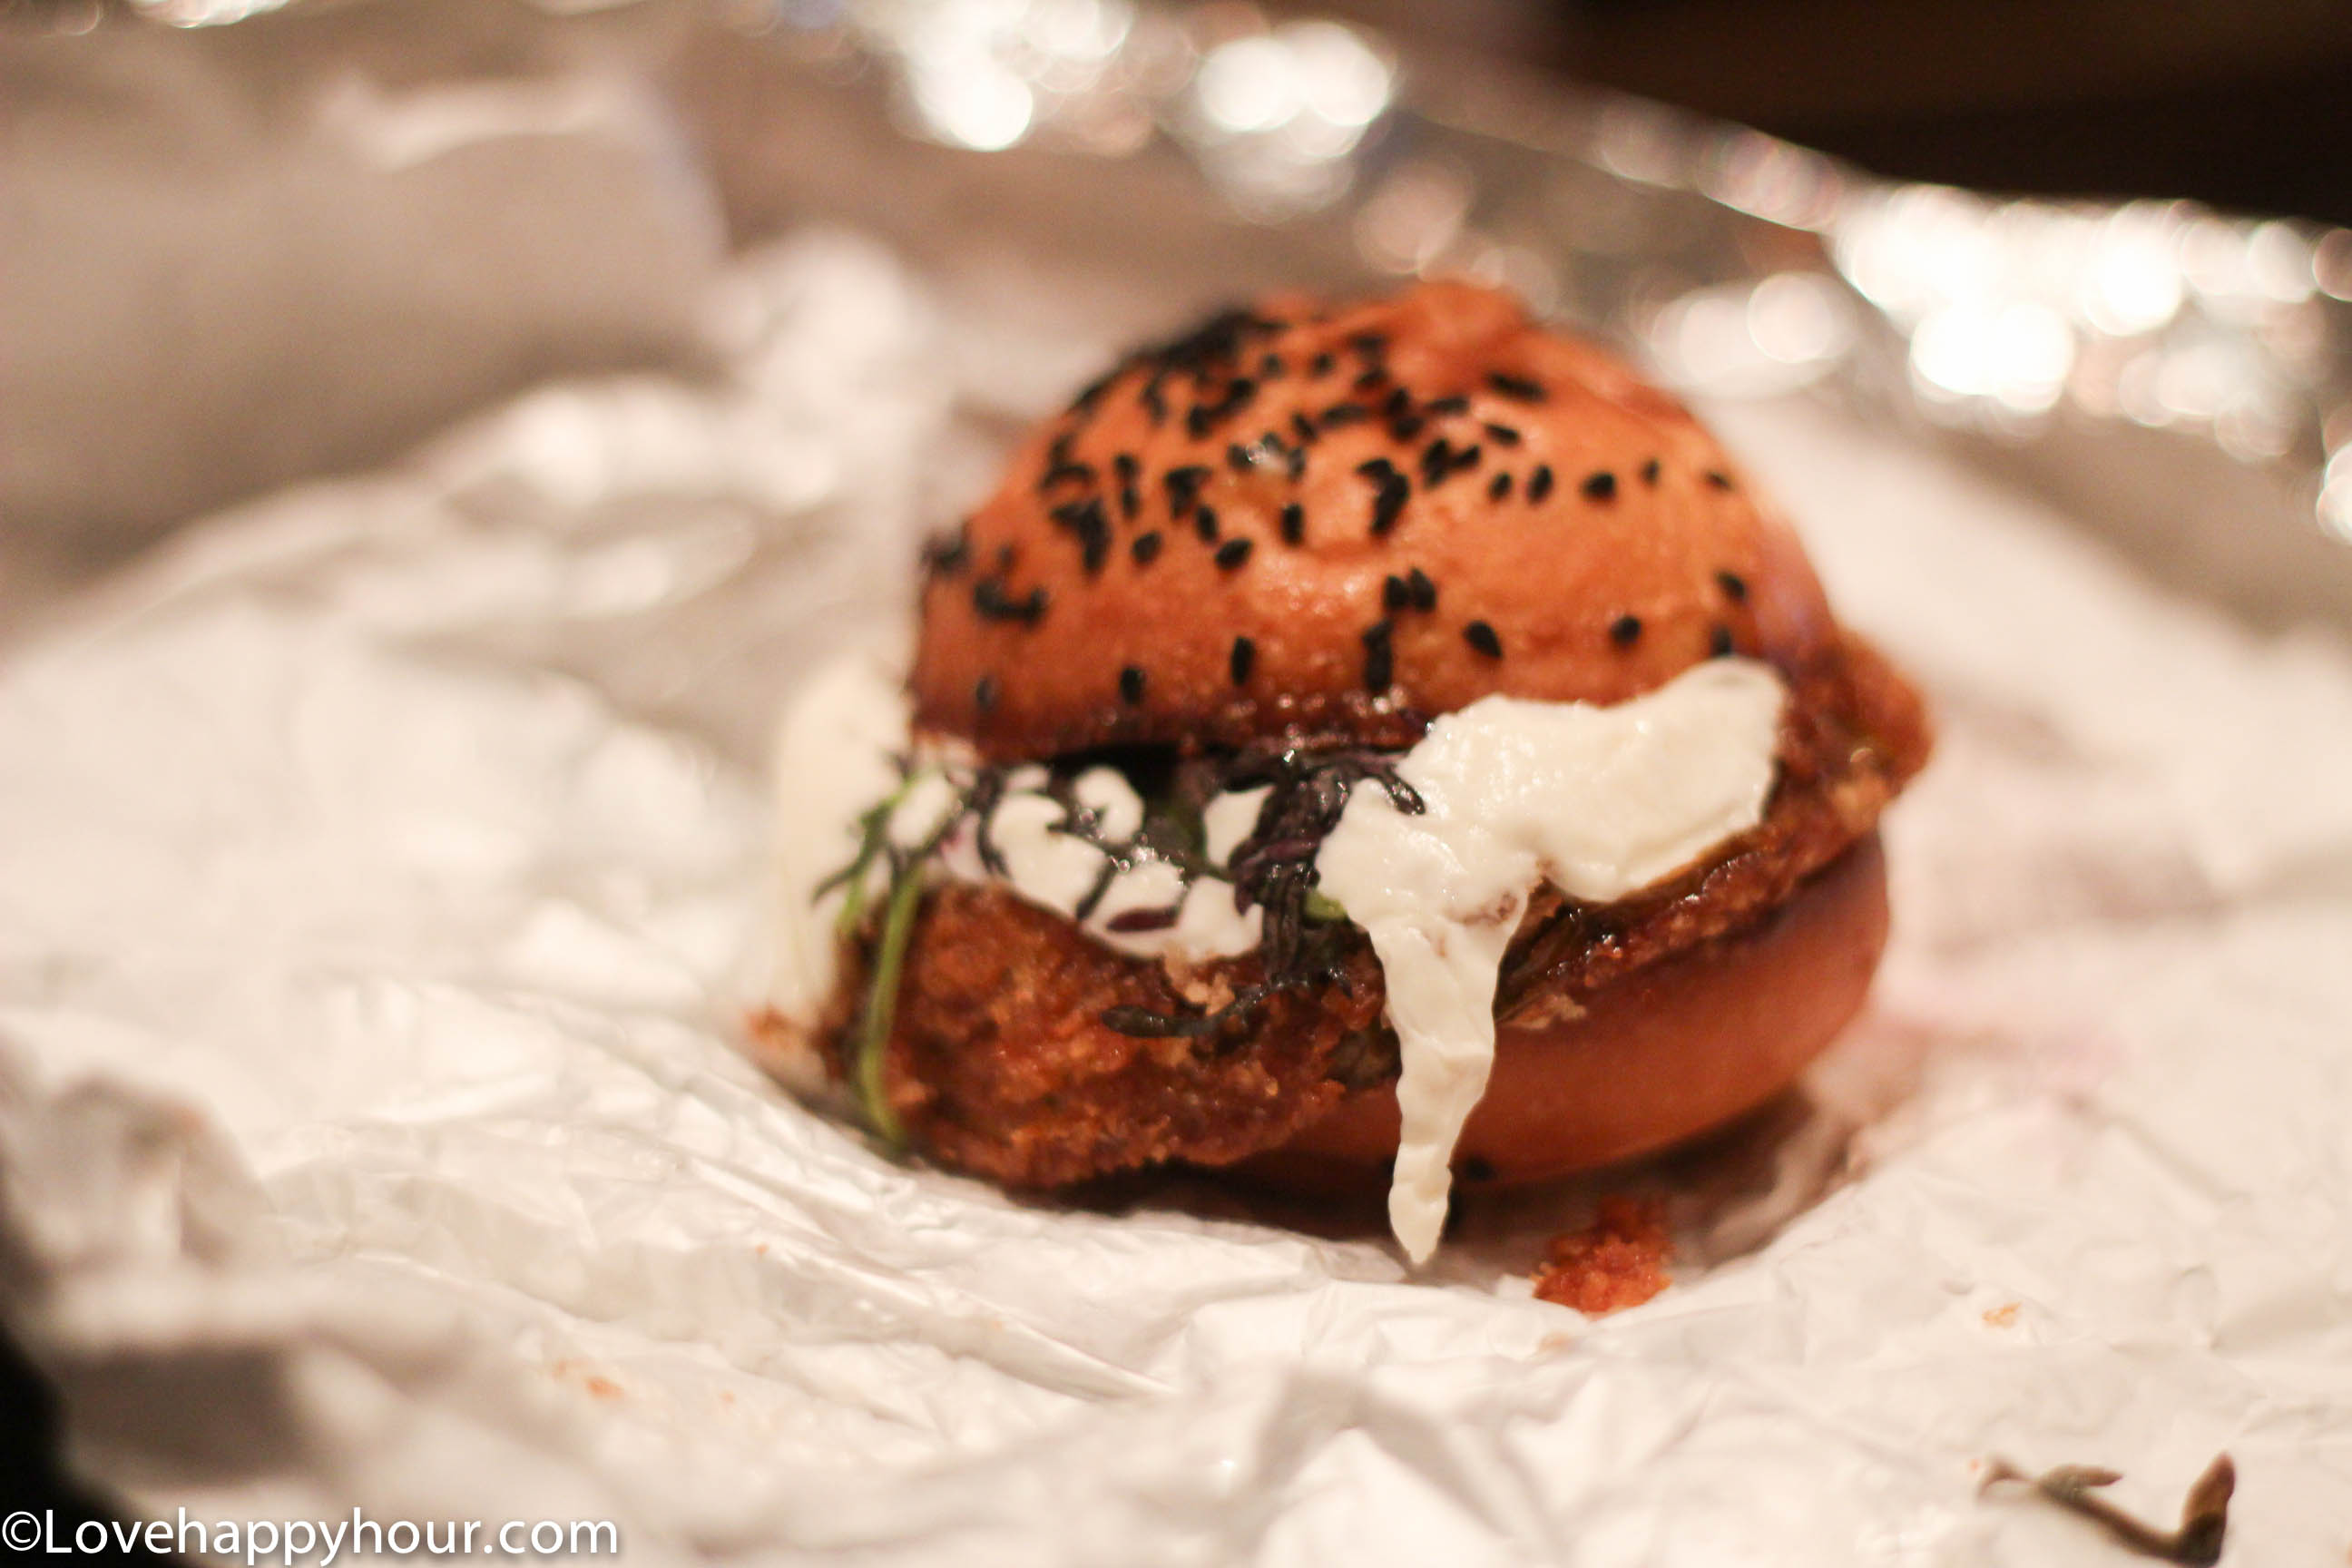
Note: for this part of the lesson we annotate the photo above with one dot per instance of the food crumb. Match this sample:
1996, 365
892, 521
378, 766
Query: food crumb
2000, 1317
1617, 1261
603, 1387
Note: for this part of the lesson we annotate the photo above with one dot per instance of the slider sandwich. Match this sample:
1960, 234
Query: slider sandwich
1381, 743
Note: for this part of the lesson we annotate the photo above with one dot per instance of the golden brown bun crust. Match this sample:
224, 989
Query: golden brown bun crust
1677, 1049
1044, 633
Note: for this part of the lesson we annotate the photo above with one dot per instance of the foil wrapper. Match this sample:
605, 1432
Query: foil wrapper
383, 862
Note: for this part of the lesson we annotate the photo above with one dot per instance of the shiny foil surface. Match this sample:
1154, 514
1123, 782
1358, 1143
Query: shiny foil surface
384, 853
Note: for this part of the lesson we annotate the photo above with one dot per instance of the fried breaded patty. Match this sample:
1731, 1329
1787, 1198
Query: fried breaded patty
999, 1062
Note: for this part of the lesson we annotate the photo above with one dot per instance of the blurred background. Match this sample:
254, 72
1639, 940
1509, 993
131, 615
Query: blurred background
244, 241
2240, 103
245, 244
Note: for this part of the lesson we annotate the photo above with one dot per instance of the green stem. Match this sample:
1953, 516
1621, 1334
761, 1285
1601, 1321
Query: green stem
872, 840
882, 1001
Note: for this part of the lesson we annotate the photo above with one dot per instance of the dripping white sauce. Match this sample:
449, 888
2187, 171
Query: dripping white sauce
1600, 802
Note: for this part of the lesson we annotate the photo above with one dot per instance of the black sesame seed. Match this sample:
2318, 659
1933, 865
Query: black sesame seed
1243, 660
1734, 586
1398, 403
1370, 379
1499, 487
1380, 658
1239, 459
1503, 435
1624, 630
1321, 365
1239, 392
1091, 394
1601, 486
1146, 548
1341, 414
1130, 685
1389, 504
1058, 451
1155, 401
1516, 386
983, 693
1184, 488
1719, 640
1481, 636
1006, 554
1436, 461
1376, 468
1204, 523
950, 553
1649, 472
1233, 552
1130, 505
1424, 591
1128, 466
1270, 367
1467, 456
1406, 427
1294, 524
1394, 595
989, 602
1370, 345
1303, 428
1540, 482
1084, 473
1718, 478
1457, 403
1086, 519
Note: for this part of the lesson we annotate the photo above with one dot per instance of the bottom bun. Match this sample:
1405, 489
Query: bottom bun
1677, 1049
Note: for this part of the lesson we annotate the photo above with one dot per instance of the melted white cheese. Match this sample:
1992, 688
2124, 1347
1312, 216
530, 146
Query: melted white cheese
1601, 802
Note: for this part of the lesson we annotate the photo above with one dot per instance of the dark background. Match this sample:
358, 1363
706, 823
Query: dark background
2245, 104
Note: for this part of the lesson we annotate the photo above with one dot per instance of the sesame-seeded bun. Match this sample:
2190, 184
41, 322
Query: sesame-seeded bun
1268, 555
1336, 526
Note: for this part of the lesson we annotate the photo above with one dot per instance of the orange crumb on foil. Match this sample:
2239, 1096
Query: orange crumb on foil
1617, 1261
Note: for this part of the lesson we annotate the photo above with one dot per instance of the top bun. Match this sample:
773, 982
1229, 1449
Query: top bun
1329, 525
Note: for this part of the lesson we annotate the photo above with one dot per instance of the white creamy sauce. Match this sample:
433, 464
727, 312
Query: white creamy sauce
834, 760
1601, 802
1055, 870
1229, 819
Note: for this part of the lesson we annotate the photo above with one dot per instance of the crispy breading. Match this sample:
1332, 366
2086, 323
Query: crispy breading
999, 1062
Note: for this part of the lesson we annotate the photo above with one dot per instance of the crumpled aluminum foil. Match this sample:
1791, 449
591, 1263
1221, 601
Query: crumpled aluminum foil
380, 886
